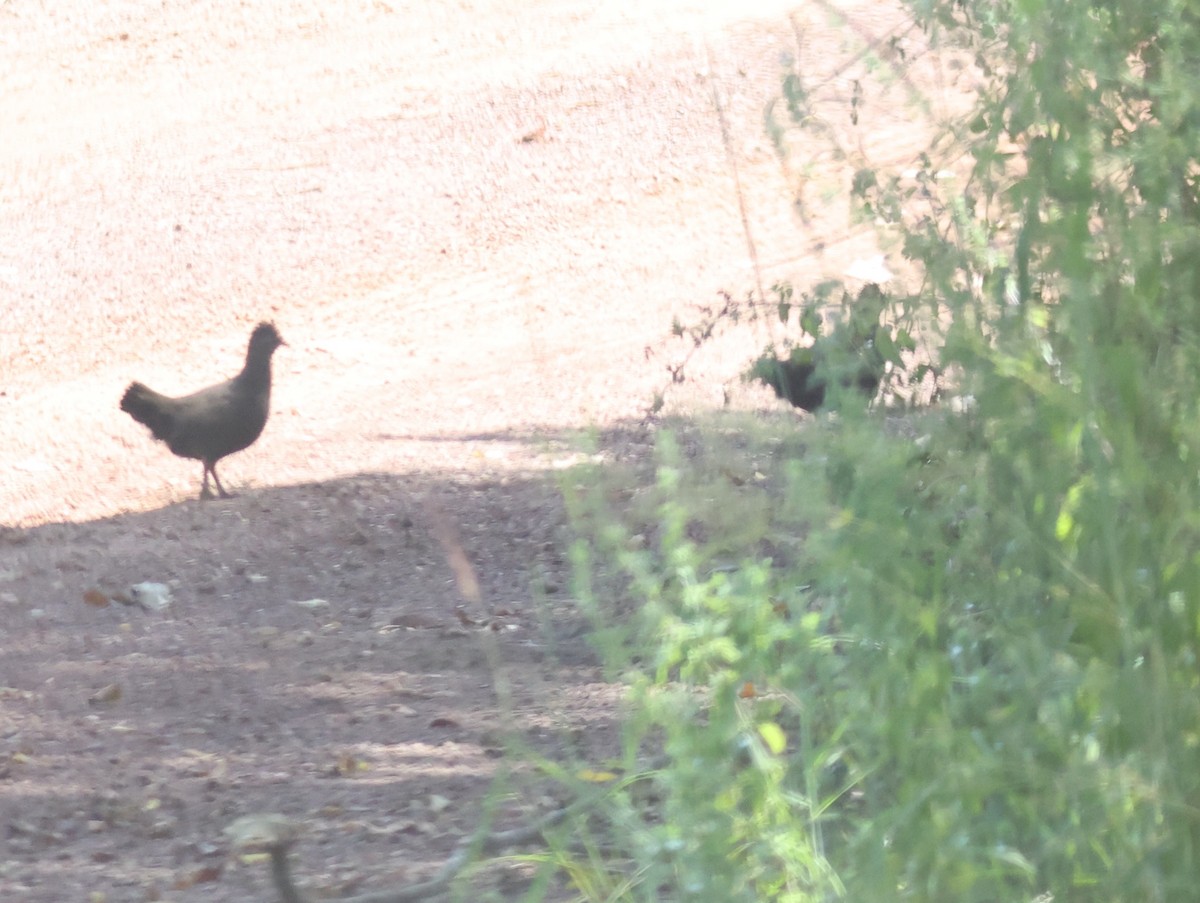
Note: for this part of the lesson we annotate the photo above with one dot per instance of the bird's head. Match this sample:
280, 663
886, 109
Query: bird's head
265, 339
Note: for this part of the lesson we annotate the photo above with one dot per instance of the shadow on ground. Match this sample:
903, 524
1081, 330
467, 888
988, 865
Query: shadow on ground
319, 658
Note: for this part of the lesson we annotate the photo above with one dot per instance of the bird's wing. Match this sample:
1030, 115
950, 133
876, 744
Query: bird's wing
199, 418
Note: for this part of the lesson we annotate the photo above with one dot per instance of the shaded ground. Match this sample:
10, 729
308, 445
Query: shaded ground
469, 221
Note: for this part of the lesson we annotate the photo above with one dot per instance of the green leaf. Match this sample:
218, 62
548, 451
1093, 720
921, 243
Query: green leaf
864, 181
796, 97
887, 347
773, 735
824, 290
810, 321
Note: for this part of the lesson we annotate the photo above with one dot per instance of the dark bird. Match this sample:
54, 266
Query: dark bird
803, 378
848, 356
217, 421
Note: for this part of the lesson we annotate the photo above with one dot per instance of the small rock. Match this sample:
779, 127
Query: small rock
106, 695
151, 596
264, 831
311, 604
96, 598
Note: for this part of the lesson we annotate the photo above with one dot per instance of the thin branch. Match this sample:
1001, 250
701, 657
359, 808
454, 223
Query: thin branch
731, 157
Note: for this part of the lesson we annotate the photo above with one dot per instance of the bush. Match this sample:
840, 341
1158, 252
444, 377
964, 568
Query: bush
960, 660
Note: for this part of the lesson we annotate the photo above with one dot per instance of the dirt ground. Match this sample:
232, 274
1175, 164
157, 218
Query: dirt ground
469, 220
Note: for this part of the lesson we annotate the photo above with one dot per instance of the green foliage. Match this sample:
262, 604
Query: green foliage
961, 659
730, 825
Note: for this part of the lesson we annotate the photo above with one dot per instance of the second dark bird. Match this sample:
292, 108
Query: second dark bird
803, 378
217, 421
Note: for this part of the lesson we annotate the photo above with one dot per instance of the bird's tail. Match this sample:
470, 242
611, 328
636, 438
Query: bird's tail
148, 407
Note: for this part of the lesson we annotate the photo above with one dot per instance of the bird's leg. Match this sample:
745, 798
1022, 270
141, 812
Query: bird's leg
217, 480
205, 492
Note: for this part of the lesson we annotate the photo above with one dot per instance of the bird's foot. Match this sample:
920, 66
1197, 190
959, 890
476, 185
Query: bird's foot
205, 492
